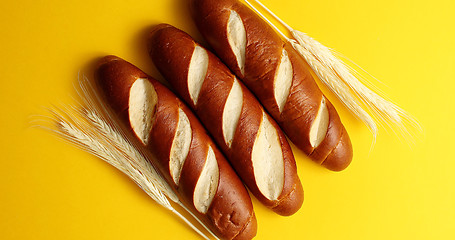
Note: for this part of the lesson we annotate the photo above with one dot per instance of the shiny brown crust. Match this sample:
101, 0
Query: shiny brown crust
263, 53
231, 211
171, 50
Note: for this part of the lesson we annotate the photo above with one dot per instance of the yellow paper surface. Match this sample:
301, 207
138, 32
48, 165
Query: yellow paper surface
51, 190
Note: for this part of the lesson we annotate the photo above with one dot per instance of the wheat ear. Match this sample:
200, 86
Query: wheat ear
91, 98
93, 129
342, 81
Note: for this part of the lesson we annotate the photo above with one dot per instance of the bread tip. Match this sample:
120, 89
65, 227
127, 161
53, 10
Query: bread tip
249, 231
159, 27
291, 203
340, 158
153, 34
107, 59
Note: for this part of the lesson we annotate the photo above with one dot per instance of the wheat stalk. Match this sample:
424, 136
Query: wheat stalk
337, 87
93, 128
91, 97
342, 81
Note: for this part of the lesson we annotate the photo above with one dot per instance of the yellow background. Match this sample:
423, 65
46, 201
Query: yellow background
51, 190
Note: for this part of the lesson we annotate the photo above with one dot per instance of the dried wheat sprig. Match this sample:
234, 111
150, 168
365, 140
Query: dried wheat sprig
327, 77
103, 117
98, 116
93, 129
342, 81
337, 87
86, 133
384, 110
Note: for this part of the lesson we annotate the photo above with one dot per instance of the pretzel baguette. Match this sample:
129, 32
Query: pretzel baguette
248, 136
278, 76
185, 154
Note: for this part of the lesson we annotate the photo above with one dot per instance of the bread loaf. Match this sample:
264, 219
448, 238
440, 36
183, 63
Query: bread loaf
250, 139
185, 154
278, 76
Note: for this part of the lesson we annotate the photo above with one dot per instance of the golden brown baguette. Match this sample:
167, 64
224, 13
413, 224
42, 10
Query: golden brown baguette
251, 140
278, 76
185, 154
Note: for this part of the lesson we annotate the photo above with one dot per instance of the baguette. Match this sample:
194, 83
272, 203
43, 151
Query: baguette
278, 76
250, 139
185, 154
